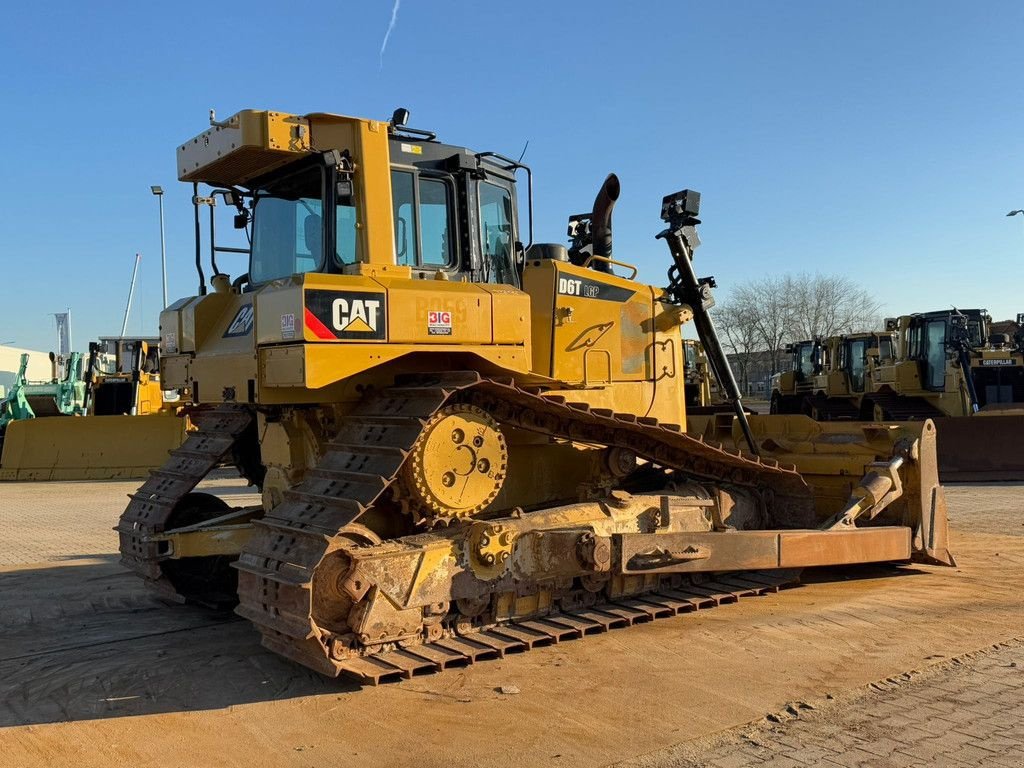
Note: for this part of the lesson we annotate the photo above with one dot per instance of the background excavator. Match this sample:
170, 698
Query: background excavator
467, 444
119, 382
946, 365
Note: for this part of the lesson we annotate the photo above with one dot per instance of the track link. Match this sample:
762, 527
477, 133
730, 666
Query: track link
497, 640
278, 565
904, 408
153, 504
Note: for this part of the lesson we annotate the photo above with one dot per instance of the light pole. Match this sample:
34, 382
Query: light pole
159, 192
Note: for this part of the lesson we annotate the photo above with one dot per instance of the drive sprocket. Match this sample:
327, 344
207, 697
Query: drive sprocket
457, 466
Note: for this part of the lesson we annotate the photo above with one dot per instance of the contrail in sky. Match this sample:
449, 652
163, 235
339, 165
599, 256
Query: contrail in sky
391, 26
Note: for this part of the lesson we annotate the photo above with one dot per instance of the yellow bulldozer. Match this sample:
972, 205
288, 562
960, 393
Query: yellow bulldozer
948, 366
467, 444
829, 377
106, 438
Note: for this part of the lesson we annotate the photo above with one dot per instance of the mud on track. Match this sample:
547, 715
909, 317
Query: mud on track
94, 672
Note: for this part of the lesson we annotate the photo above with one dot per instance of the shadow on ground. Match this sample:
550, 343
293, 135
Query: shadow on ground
858, 573
86, 641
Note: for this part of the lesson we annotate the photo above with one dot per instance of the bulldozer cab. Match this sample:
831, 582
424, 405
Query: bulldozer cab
790, 387
860, 354
453, 212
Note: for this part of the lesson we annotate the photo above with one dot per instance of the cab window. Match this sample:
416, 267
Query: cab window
422, 212
690, 363
496, 234
403, 201
857, 362
885, 348
287, 235
805, 362
435, 223
935, 354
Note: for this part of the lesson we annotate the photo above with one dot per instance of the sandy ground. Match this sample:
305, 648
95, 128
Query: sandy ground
95, 673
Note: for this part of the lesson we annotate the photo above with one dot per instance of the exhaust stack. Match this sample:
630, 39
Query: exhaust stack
601, 218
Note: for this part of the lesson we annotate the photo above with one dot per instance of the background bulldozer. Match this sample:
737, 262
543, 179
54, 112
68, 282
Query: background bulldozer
108, 439
946, 366
833, 374
467, 444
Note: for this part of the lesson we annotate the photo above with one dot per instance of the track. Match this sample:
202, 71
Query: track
831, 408
279, 565
152, 506
902, 408
494, 642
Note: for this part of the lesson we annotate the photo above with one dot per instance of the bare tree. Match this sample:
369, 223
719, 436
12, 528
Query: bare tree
829, 305
740, 338
766, 314
768, 302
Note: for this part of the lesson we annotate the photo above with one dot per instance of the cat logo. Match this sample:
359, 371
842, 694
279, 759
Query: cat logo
241, 325
355, 315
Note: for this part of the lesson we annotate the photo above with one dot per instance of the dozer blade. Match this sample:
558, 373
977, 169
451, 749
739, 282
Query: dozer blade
985, 447
88, 448
832, 457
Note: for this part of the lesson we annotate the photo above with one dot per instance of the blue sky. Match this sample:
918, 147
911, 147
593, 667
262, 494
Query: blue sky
878, 140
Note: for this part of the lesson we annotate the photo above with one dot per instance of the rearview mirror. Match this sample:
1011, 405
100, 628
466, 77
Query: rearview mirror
343, 192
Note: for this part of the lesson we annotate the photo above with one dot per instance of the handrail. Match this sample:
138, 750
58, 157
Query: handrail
612, 261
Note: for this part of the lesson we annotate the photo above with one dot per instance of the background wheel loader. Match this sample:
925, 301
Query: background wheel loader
466, 444
947, 366
119, 384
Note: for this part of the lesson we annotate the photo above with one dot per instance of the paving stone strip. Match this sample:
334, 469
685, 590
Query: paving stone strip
963, 711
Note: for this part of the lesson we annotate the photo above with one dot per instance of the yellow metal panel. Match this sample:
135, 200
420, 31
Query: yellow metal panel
437, 312
326, 364
539, 284
88, 448
171, 329
511, 312
247, 144
379, 270
279, 311
174, 372
367, 142
282, 367
598, 311
199, 318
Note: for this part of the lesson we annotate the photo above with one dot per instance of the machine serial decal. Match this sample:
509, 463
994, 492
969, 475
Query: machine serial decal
439, 323
346, 314
241, 325
592, 289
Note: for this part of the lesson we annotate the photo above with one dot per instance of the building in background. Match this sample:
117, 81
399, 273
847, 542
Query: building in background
753, 372
39, 368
